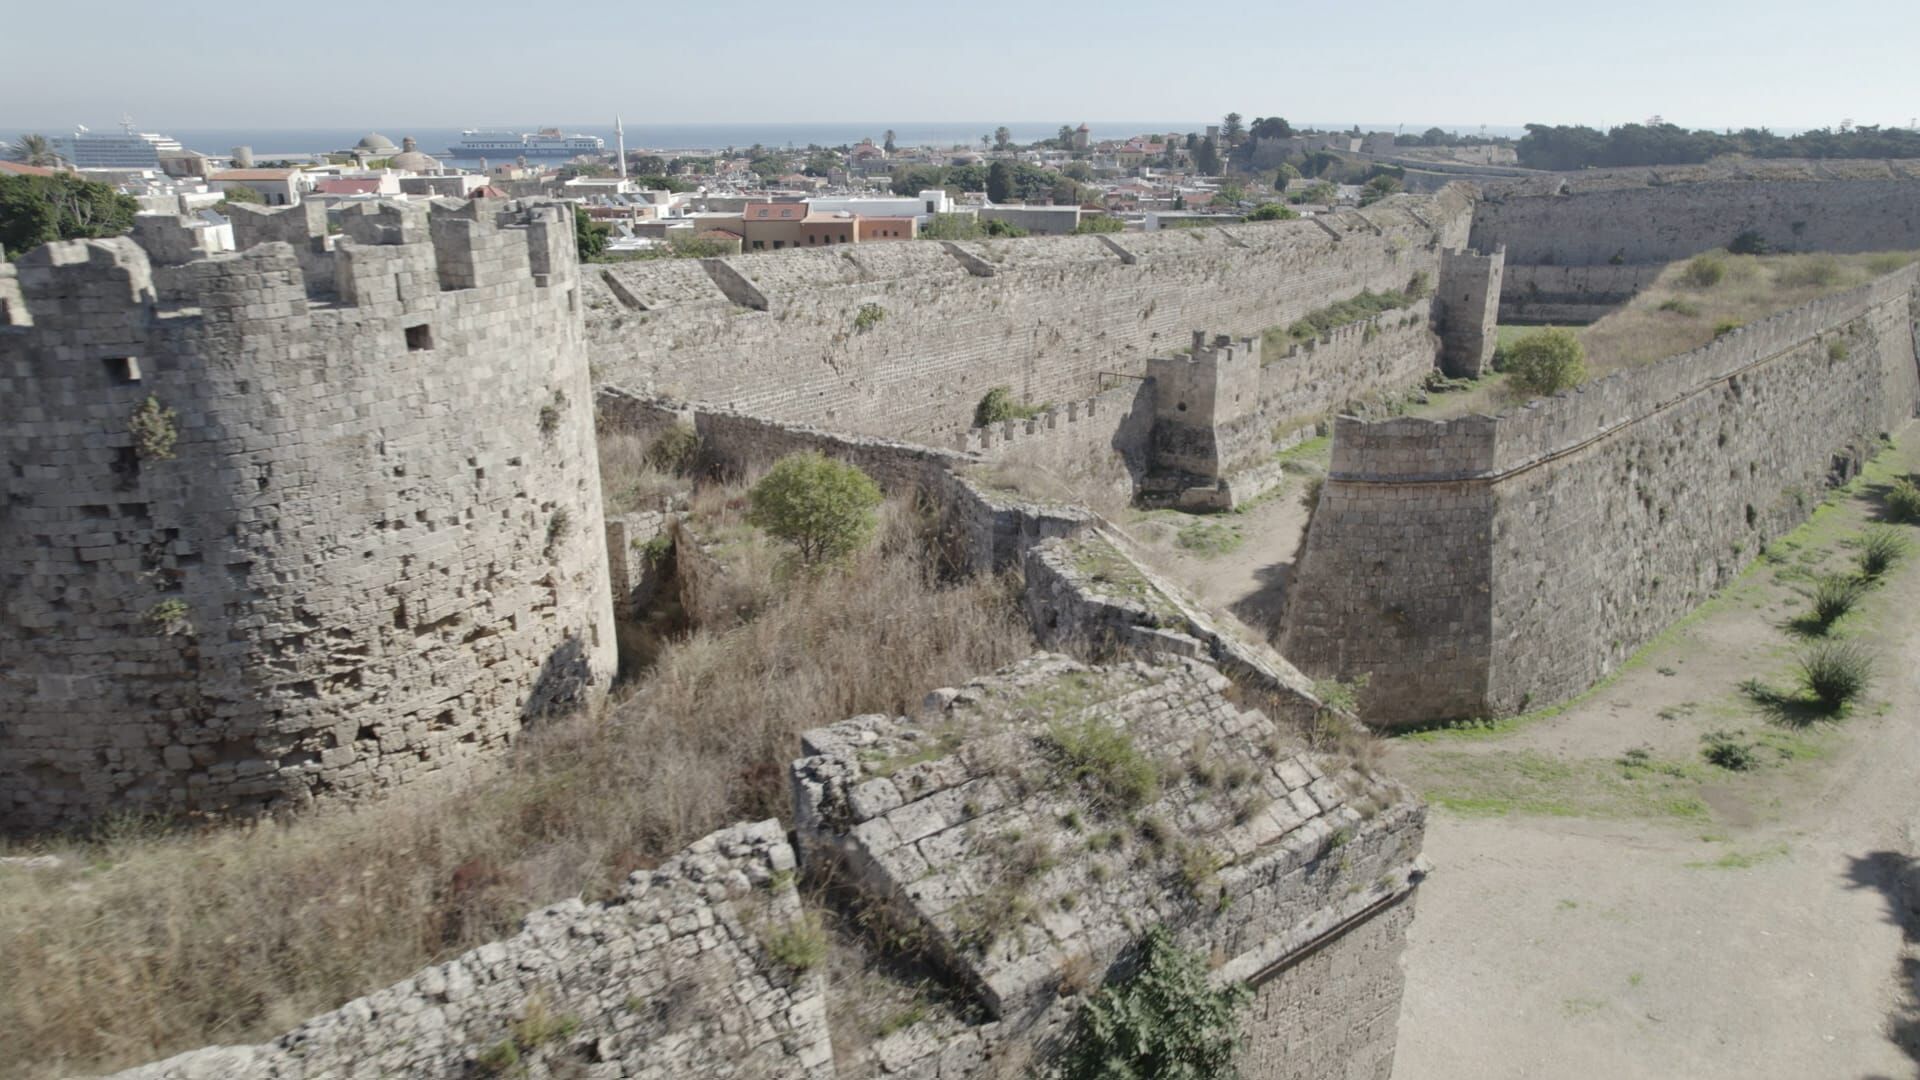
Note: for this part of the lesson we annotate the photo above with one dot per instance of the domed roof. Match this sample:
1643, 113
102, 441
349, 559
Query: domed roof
376, 141
411, 159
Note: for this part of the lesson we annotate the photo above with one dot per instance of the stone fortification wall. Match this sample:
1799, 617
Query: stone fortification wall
1565, 295
1382, 355
371, 552
1615, 218
1041, 315
671, 978
1487, 565
1106, 437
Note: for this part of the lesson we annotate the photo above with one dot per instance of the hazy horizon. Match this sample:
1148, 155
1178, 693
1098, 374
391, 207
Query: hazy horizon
1710, 65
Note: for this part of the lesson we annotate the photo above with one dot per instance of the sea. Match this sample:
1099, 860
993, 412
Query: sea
436, 141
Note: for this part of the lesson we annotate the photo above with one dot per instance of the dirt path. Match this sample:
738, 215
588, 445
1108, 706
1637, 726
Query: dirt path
1606, 904
1247, 580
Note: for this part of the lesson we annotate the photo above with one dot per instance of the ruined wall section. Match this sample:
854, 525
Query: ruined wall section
1489, 565
669, 978
372, 556
1043, 316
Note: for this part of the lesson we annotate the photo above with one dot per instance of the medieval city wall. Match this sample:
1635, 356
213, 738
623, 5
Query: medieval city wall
1605, 222
783, 335
371, 553
1489, 565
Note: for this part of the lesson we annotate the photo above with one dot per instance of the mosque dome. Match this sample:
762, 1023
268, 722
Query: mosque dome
411, 159
376, 141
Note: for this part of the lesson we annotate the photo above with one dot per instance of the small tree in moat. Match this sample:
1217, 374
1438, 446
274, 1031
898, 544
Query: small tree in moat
1164, 1023
1546, 362
824, 508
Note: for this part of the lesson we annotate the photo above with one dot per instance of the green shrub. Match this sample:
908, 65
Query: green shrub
1725, 327
1104, 758
1704, 271
1833, 597
1749, 242
1834, 674
1546, 363
1838, 351
1419, 286
674, 450
800, 945
999, 405
1880, 548
1681, 307
1728, 751
153, 428
1099, 223
168, 617
868, 317
1165, 1022
824, 508
1271, 212
1903, 501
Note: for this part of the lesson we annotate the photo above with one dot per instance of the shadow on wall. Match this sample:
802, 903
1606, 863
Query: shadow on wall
1133, 435
564, 682
1896, 877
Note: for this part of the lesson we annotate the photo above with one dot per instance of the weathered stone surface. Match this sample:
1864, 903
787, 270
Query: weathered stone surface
1023, 869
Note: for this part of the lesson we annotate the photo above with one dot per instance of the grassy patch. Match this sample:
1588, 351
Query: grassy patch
1740, 860
1529, 783
1210, 537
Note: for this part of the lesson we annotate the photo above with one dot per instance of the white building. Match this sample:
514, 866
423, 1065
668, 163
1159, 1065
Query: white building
922, 207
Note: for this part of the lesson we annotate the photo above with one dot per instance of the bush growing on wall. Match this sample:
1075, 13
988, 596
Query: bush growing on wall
824, 508
999, 405
1545, 363
1164, 1023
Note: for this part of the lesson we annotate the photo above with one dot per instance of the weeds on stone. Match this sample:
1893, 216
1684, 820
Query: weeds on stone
154, 429
799, 945
1103, 758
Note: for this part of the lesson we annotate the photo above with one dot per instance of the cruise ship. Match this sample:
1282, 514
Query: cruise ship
129, 149
547, 142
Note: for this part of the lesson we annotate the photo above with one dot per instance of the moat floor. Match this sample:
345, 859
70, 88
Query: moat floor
1605, 903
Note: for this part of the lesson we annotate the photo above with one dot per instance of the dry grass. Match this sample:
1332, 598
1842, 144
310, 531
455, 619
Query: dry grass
1680, 312
148, 943
1672, 316
628, 481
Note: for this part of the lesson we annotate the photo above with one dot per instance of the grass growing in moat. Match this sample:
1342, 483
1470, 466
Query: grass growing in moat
149, 942
1820, 671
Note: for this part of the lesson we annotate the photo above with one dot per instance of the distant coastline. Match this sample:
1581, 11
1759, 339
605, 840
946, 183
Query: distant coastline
267, 142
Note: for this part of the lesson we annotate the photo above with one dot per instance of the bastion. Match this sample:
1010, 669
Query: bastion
307, 521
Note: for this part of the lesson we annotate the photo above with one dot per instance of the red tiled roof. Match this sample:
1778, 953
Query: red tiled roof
350, 186
18, 169
252, 174
775, 212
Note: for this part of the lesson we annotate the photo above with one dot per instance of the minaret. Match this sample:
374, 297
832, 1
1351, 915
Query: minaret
620, 141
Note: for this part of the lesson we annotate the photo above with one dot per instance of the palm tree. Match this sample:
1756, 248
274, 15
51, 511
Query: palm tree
34, 150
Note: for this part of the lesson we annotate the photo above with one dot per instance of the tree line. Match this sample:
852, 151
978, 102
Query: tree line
1568, 147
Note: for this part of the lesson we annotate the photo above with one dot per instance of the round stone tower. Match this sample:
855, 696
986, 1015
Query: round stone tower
304, 522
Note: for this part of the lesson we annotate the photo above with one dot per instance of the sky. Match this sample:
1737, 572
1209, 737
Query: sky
1700, 63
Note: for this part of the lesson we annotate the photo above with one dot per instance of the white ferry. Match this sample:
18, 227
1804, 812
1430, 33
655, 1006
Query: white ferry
129, 149
547, 142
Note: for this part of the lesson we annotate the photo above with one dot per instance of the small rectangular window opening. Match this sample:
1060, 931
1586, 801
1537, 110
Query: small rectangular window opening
419, 338
123, 369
